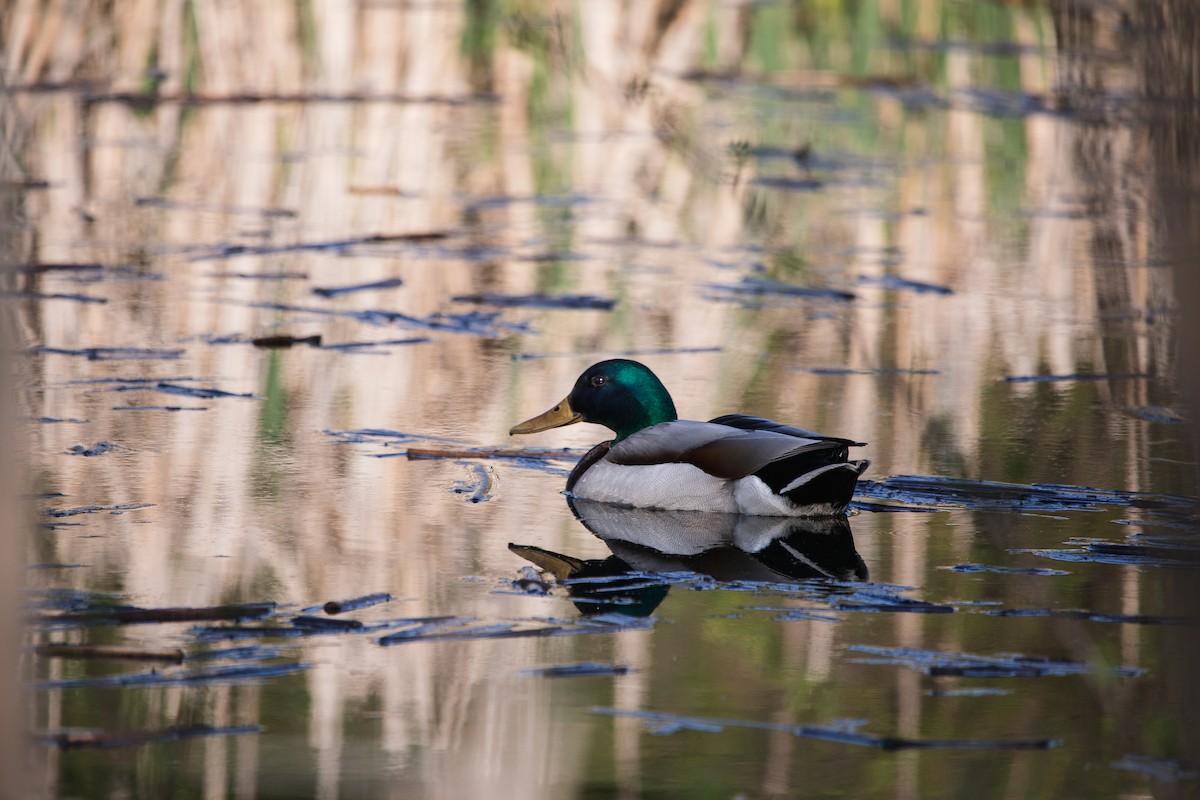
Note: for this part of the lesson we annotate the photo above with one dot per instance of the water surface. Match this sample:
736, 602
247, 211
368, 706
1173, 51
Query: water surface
922, 227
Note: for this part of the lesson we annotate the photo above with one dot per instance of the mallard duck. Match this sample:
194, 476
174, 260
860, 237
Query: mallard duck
733, 464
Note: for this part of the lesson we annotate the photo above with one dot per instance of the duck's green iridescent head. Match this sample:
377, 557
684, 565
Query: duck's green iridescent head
622, 395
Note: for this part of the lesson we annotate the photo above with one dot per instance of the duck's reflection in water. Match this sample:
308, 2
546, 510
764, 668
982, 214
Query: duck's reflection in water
725, 547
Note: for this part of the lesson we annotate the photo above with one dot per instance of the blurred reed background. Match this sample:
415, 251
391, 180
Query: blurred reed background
15, 757
184, 139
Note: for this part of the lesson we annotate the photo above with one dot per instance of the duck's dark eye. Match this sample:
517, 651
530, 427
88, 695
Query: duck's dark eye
598, 381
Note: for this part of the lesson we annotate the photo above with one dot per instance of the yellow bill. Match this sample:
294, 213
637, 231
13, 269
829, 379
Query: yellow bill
556, 417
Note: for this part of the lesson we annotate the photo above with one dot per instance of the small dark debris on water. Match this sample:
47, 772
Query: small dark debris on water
1005, 665
54, 565
286, 341
531, 586
580, 301
530, 581
1005, 570
113, 353
98, 449
664, 724
160, 408
1162, 770
355, 603
584, 670
79, 739
1156, 414
478, 490
56, 420
338, 291
896, 283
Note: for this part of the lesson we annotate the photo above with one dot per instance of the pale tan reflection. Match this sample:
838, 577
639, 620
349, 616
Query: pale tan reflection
630, 692
337, 521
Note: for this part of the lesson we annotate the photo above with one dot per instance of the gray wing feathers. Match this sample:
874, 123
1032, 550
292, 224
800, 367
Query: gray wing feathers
751, 423
719, 450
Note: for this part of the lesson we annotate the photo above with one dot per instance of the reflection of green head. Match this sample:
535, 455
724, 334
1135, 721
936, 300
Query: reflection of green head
622, 395
631, 596
592, 596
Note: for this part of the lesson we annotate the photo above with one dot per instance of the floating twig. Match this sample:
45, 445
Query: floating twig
338, 291
229, 251
896, 283
126, 614
117, 509
286, 341
108, 651
580, 301
355, 603
326, 624
363, 346
587, 669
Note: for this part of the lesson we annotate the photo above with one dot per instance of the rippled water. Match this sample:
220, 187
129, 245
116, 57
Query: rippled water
932, 229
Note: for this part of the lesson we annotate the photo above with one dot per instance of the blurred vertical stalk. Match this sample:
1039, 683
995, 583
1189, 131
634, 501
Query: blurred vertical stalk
15, 754
1170, 66
1157, 155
